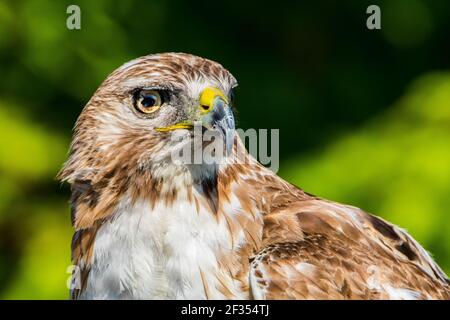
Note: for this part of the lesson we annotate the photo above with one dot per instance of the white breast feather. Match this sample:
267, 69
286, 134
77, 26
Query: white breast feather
157, 254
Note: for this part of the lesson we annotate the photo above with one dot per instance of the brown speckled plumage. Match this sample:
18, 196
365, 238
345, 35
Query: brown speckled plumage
283, 242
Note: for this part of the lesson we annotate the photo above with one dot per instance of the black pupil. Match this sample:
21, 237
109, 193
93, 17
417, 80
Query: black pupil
149, 101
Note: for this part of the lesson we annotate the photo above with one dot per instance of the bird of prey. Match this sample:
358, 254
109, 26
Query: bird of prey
148, 227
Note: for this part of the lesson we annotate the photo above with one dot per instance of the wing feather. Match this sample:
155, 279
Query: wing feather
340, 252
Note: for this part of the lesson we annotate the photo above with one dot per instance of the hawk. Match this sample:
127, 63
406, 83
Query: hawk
147, 227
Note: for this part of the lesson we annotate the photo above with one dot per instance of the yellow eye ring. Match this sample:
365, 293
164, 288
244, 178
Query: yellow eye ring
148, 101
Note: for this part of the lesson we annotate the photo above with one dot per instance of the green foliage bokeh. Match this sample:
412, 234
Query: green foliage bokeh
364, 116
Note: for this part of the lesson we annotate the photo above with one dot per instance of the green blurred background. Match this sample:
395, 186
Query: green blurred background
364, 116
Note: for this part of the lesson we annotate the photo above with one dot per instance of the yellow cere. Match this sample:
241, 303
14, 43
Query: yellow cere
208, 95
206, 100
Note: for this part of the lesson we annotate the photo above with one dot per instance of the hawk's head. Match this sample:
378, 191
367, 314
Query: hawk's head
145, 110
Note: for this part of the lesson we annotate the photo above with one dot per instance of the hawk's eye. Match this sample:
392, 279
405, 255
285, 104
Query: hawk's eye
148, 101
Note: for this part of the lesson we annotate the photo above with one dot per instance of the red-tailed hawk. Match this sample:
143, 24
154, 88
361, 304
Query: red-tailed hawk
147, 227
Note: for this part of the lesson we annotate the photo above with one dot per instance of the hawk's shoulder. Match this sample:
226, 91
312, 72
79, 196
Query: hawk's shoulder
318, 249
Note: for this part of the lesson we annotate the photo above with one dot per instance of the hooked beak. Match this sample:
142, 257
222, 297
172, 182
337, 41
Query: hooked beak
215, 115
